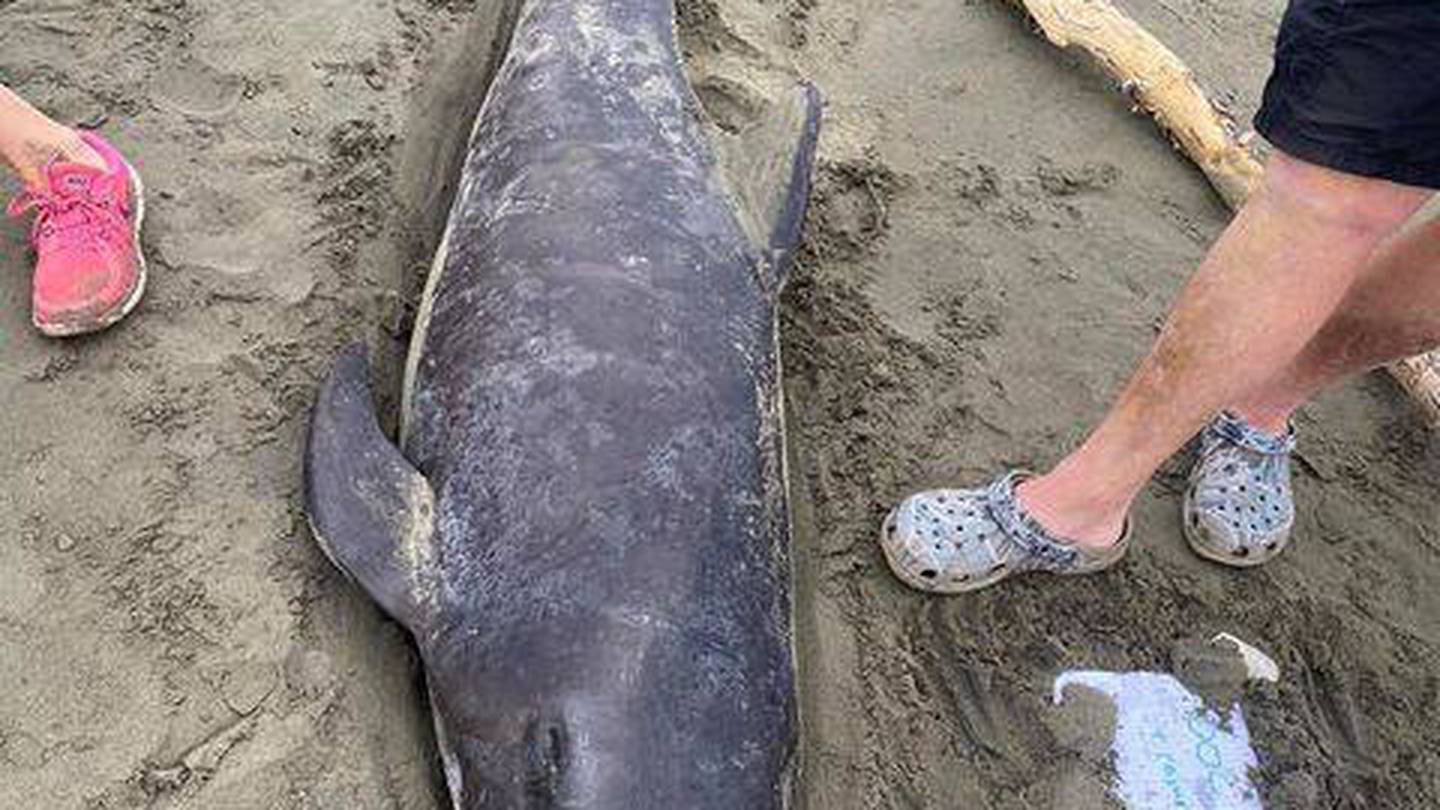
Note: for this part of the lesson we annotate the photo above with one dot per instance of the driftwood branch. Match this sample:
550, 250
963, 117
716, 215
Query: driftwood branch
1420, 378
1162, 86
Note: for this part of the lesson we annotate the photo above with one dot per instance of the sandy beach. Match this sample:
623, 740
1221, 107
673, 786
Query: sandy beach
993, 239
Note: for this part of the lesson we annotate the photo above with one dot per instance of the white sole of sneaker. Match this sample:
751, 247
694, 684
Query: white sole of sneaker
137, 189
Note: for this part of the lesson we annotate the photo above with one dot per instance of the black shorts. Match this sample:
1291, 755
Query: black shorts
1356, 88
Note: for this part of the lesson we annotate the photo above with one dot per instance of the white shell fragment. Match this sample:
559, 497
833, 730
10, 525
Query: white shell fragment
1260, 666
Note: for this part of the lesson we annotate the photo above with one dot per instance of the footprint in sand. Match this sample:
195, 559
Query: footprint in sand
196, 89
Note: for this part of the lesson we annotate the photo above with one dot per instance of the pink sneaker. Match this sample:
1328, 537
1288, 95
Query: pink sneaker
89, 271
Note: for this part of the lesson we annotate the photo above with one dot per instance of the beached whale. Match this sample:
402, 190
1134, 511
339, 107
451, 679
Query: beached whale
584, 527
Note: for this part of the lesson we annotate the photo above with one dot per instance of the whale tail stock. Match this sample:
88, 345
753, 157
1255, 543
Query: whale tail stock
370, 511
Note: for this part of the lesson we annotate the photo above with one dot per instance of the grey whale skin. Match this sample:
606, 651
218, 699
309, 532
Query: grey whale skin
584, 527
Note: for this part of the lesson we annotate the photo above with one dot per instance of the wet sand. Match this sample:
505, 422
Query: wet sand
993, 238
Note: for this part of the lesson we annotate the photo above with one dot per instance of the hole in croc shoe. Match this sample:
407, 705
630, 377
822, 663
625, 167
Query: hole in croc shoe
1195, 519
929, 573
890, 528
1270, 546
998, 567
1242, 552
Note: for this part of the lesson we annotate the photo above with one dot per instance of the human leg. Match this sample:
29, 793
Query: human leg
1262, 294
1238, 507
1282, 305
31, 141
1392, 312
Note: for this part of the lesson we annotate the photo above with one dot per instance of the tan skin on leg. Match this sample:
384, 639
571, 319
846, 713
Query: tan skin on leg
30, 141
1267, 287
1393, 311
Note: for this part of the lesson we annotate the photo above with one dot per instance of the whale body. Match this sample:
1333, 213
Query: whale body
583, 525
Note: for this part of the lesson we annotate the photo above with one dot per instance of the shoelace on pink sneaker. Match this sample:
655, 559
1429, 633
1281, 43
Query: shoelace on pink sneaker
69, 215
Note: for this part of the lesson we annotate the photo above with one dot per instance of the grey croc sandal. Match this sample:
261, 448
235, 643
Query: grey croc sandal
957, 540
1238, 507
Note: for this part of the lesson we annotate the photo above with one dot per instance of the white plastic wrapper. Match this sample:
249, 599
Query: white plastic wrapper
1171, 752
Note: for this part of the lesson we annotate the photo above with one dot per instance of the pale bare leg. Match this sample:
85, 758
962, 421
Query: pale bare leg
1268, 286
30, 141
1392, 312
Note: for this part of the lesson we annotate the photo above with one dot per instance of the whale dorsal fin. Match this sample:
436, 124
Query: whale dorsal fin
369, 509
767, 170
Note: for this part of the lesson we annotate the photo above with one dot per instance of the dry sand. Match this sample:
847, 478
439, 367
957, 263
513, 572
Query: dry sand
994, 236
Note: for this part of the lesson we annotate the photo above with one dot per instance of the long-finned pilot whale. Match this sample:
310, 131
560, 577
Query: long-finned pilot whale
584, 525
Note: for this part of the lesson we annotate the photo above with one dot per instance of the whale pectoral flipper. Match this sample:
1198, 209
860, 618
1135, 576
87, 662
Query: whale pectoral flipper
768, 169
369, 509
